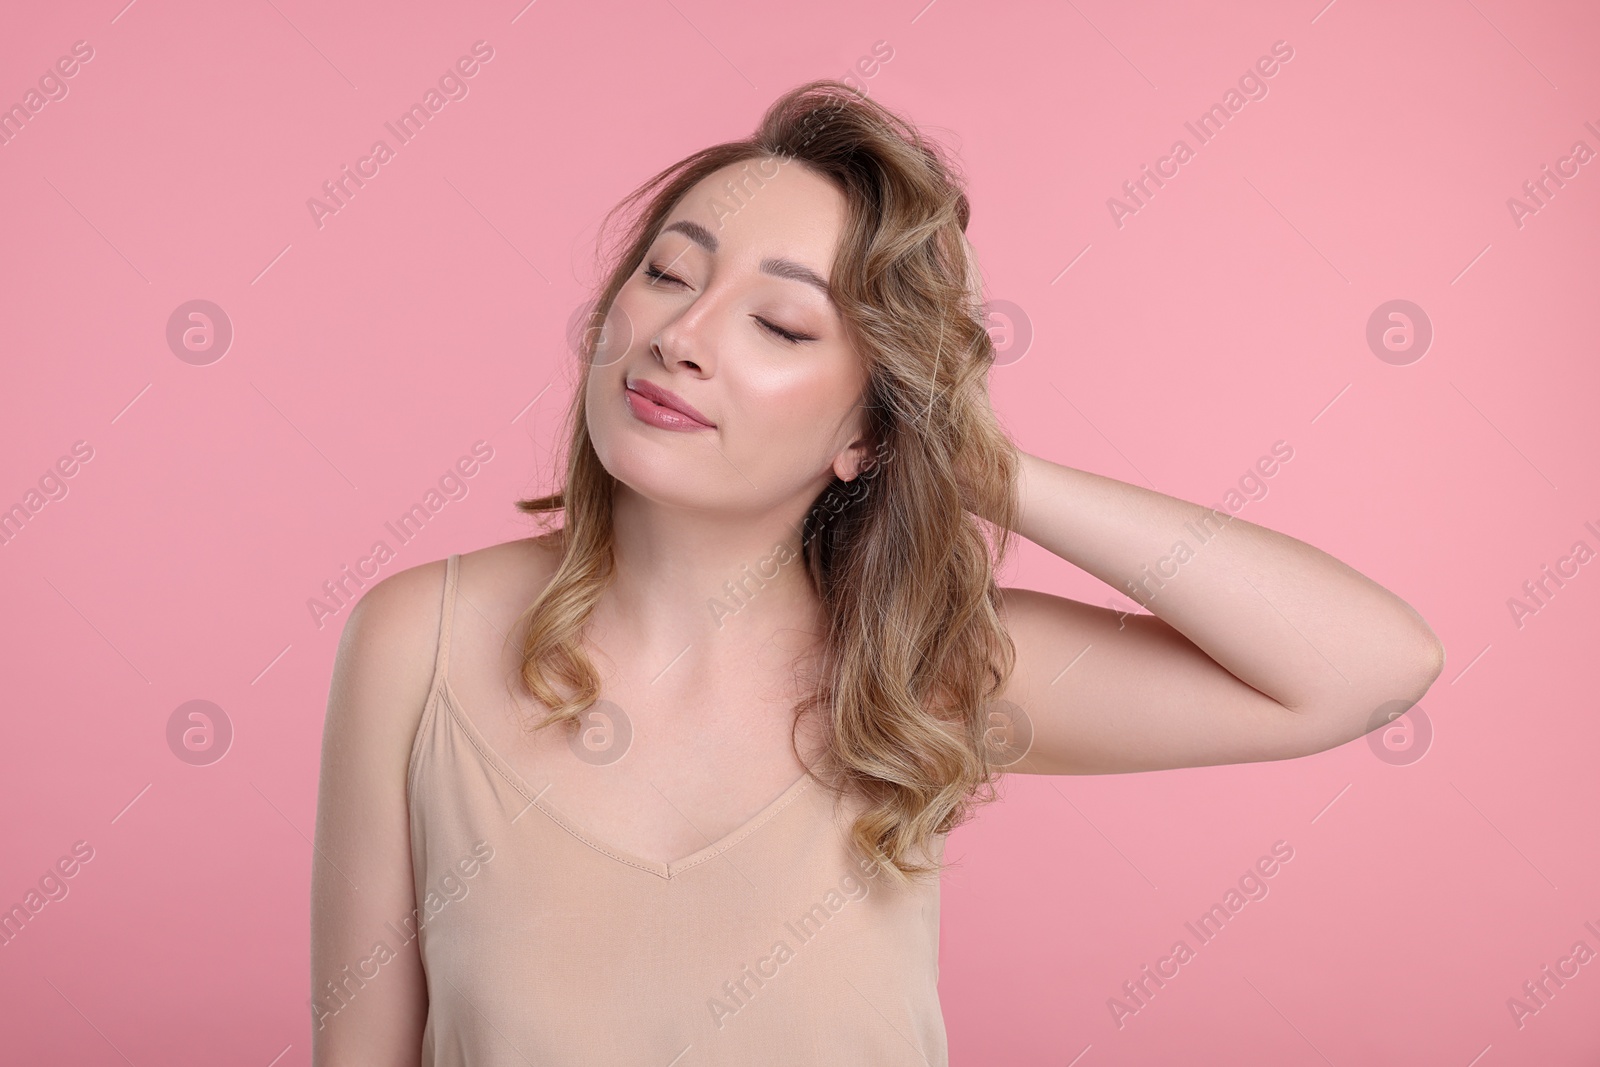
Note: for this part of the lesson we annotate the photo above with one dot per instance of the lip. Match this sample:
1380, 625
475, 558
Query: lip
667, 399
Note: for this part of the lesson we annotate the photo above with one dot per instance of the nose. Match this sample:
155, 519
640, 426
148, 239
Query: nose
683, 340
670, 361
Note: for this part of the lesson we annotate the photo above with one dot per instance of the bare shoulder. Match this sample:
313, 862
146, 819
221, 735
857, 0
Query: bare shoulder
384, 665
393, 631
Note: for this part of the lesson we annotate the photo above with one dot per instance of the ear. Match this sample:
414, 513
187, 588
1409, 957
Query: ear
859, 455
854, 460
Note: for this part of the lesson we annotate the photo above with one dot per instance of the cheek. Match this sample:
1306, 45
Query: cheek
798, 422
604, 412
616, 335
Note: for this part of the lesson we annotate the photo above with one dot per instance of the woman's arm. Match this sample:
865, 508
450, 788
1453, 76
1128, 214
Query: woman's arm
1260, 647
369, 1008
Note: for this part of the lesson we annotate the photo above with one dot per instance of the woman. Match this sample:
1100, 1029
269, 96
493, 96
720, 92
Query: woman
669, 783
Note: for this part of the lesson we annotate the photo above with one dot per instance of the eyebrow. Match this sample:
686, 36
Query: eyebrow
778, 268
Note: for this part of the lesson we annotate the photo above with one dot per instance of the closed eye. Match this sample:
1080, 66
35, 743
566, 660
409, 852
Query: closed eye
788, 335
657, 275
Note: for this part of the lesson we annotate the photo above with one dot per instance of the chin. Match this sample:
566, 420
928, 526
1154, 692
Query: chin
640, 464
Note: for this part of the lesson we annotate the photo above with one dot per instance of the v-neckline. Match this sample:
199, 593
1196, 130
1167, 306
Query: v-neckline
665, 870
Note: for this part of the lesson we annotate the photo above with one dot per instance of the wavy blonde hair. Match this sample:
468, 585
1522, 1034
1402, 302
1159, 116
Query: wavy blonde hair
915, 648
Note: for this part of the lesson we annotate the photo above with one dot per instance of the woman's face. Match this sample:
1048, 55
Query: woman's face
729, 311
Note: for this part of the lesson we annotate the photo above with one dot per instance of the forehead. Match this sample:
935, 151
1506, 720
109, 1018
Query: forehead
767, 207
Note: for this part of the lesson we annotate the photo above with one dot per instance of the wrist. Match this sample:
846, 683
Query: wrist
1026, 464
1019, 492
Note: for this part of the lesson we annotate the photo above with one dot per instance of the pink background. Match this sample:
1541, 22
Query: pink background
1227, 314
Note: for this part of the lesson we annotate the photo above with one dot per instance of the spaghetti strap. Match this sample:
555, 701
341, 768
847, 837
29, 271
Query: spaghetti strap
452, 572
436, 688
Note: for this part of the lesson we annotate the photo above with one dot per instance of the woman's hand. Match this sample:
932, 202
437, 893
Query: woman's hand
977, 470
980, 464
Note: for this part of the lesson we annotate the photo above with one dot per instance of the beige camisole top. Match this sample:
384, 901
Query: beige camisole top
542, 945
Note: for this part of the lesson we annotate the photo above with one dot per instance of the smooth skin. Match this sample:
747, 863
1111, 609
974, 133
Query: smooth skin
1260, 648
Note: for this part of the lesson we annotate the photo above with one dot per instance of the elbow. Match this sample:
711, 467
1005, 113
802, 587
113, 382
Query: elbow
1436, 654
1407, 689
1411, 679
1388, 696
1412, 672
1430, 663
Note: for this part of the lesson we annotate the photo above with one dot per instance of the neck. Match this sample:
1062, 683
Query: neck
700, 592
